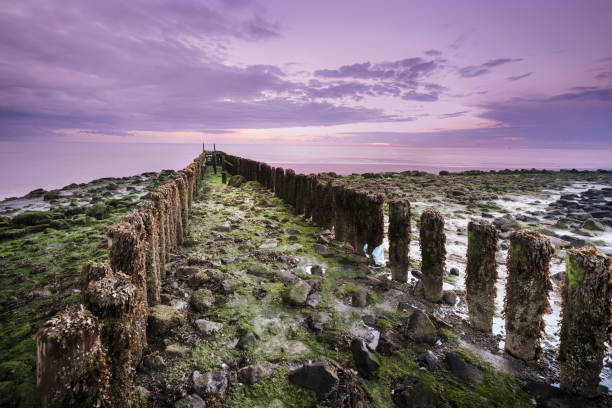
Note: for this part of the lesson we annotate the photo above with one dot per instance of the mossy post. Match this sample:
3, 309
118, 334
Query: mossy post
586, 294
399, 238
373, 220
481, 274
111, 299
527, 288
279, 178
71, 368
433, 253
340, 219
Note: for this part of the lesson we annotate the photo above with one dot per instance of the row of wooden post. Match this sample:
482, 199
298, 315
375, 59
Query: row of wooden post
586, 290
87, 356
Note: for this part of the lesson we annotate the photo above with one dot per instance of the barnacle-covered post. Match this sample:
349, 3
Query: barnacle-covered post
92, 271
279, 185
373, 220
527, 288
587, 294
340, 213
112, 299
71, 368
433, 253
399, 238
481, 274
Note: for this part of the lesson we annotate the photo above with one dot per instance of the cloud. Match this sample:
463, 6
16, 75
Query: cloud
585, 93
604, 75
519, 77
454, 114
472, 71
421, 97
433, 53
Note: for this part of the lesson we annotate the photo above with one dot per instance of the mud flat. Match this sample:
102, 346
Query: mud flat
45, 237
259, 307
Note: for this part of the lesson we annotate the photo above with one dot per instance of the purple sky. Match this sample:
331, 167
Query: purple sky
415, 73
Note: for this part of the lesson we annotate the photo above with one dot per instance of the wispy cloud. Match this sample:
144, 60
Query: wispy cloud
472, 71
519, 77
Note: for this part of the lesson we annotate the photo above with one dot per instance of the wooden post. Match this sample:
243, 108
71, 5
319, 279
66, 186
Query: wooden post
481, 274
586, 295
399, 238
527, 290
215, 158
433, 253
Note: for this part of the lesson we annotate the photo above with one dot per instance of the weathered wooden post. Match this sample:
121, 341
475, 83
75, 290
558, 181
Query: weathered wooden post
224, 178
340, 213
481, 274
71, 368
527, 289
587, 294
111, 299
215, 158
399, 238
433, 253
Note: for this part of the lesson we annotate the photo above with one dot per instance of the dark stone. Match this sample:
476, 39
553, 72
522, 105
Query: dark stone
420, 328
428, 360
462, 369
367, 364
253, 374
360, 298
257, 270
316, 270
190, 401
320, 249
413, 393
454, 271
211, 384
389, 342
319, 377
292, 231
246, 341
313, 299
317, 321
450, 298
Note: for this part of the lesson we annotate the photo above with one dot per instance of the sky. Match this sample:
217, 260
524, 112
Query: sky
520, 74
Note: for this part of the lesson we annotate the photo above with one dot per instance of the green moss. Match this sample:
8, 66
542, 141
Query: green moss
575, 273
267, 393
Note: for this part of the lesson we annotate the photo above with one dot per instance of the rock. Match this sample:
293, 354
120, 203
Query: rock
292, 231
313, 299
593, 225
504, 246
292, 238
429, 360
202, 300
319, 377
359, 298
162, 318
190, 401
253, 374
40, 293
184, 272
558, 276
320, 249
175, 349
366, 362
223, 227
317, 321
228, 260
268, 244
449, 297
285, 277
316, 270
506, 223
462, 369
420, 329
454, 271
208, 328
198, 279
389, 342
257, 270
211, 384
228, 286
416, 273
246, 340
413, 393
153, 361
297, 293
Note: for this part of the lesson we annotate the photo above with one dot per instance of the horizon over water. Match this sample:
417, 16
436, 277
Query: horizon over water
25, 166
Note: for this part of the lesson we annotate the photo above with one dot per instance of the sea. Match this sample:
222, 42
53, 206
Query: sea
25, 166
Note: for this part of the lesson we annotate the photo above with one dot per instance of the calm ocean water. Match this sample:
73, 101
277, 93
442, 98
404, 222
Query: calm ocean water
26, 166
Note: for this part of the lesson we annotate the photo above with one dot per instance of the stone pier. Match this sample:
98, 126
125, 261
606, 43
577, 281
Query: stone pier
433, 253
587, 294
481, 274
399, 238
527, 288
